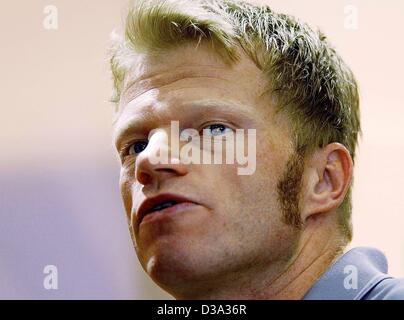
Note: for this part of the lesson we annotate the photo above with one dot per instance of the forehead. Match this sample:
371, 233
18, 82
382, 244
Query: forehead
193, 67
159, 86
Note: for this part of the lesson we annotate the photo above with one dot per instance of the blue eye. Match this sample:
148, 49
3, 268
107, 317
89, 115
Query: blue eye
215, 129
137, 147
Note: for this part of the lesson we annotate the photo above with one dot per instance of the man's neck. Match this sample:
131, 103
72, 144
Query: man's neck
318, 248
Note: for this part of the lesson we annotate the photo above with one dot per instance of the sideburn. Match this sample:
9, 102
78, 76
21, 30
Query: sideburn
288, 188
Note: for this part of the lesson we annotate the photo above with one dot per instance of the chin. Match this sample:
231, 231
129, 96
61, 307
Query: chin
171, 272
175, 266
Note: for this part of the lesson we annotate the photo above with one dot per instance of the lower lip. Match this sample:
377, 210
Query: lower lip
178, 208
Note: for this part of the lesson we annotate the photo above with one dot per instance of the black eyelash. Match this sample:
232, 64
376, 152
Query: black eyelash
213, 123
125, 148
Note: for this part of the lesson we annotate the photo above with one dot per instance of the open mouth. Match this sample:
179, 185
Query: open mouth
162, 206
164, 203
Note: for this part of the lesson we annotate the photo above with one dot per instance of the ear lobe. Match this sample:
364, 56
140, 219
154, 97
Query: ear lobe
327, 180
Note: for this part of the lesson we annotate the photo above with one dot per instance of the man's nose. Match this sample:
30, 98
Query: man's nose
159, 147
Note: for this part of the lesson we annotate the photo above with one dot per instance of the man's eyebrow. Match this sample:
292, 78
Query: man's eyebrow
127, 129
234, 110
220, 106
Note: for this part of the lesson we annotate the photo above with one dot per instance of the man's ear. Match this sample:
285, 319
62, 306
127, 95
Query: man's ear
326, 180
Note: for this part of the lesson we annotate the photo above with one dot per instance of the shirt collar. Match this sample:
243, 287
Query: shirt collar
353, 275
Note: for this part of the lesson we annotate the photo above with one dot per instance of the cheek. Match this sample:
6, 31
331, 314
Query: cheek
258, 199
247, 222
257, 222
255, 197
240, 201
261, 187
125, 187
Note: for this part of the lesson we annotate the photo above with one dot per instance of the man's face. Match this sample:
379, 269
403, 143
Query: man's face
237, 227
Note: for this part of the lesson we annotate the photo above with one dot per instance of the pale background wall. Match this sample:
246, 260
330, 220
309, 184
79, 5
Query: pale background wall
59, 201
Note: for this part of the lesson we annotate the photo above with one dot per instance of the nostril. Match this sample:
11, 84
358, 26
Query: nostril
144, 178
169, 170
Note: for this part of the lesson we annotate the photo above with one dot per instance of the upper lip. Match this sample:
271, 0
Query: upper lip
147, 205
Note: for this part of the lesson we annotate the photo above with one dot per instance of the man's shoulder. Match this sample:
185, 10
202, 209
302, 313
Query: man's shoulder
359, 274
387, 289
